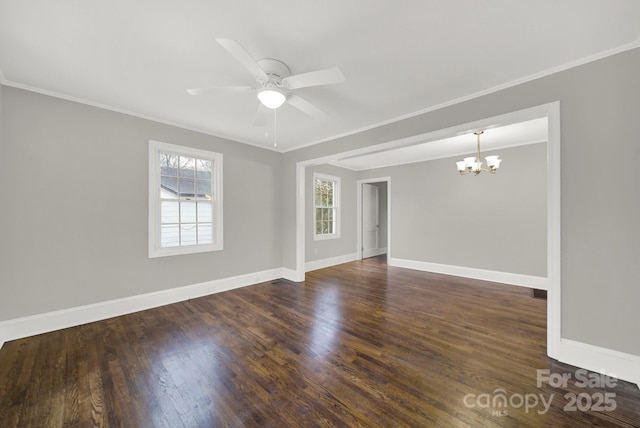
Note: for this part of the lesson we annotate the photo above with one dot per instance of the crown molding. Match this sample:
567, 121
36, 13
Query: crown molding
569, 65
107, 107
572, 64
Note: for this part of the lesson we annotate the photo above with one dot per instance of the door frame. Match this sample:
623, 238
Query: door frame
359, 237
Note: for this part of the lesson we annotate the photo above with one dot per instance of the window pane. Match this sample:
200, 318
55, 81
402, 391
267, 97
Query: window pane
187, 212
188, 234
203, 189
169, 212
169, 236
330, 214
317, 192
205, 233
168, 187
321, 193
329, 227
204, 212
168, 164
187, 167
318, 228
187, 188
203, 169
325, 227
330, 193
323, 200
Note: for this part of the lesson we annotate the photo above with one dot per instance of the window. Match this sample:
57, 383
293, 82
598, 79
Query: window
326, 202
185, 200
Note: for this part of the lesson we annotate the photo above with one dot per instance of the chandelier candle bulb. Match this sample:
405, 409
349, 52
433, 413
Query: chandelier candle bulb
493, 162
470, 162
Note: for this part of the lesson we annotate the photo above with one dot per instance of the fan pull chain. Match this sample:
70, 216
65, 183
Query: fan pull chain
275, 127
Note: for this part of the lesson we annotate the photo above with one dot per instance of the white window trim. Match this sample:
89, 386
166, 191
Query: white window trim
336, 197
155, 148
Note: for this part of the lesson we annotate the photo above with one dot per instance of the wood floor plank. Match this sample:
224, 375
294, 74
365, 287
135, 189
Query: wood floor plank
359, 344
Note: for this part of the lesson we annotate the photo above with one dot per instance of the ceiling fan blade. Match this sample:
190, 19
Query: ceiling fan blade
307, 108
242, 56
213, 89
328, 76
262, 114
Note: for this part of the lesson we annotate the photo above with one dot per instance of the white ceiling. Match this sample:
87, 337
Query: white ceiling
399, 57
518, 134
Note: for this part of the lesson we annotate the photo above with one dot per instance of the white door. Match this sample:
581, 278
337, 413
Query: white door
370, 220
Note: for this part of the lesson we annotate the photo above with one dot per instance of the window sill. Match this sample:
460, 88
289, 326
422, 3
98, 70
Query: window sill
187, 249
325, 237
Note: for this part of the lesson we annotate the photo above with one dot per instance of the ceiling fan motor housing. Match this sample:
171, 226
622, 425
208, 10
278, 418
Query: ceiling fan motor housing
276, 70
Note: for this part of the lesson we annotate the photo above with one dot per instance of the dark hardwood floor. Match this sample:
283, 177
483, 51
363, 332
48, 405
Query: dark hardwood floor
360, 344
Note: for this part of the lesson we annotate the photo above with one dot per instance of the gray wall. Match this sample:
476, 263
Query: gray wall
74, 192
600, 130
346, 244
1, 96
494, 222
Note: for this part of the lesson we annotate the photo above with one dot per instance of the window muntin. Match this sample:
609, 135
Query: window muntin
185, 200
326, 190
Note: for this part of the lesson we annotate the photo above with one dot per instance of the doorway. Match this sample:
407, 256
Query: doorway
373, 235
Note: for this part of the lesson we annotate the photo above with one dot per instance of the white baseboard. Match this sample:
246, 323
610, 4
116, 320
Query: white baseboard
291, 275
50, 321
331, 261
466, 272
373, 253
600, 360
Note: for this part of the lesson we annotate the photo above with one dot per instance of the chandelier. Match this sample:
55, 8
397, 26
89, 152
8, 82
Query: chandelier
474, 165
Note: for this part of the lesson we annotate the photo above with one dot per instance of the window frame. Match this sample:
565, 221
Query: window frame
336, 206
155, 149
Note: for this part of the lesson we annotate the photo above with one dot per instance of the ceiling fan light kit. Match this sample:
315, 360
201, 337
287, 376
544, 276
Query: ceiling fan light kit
474, 164
271, 97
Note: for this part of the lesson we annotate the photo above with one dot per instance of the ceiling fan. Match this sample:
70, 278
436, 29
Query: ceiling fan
275, 83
